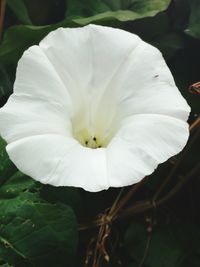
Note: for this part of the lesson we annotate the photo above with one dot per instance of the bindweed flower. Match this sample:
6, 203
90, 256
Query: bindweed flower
93, 107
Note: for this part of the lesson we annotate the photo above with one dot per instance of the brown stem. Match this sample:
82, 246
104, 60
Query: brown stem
114, 206
195, 124
127, 197
148, 205
2, 15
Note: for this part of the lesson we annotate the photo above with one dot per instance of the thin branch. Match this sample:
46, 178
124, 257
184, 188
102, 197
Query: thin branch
112, 209
116, 207
2, 15
195, 124
128, 196
148, 204
146, 250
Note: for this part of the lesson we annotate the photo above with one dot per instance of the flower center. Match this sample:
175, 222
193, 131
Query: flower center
89, 140
93, 143
92, 137
94, 129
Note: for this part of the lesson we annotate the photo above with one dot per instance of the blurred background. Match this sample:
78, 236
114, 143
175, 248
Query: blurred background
155, 223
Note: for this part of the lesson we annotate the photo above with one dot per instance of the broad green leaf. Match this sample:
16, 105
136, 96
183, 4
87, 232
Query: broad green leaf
193, 28
115, 9
6, 265
19, 38
16, 184
20, 10
36, 233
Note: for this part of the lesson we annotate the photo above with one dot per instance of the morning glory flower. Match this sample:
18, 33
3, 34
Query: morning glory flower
93, 107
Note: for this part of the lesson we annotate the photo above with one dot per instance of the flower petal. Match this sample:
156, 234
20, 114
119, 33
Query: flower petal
24, 116
87, 62
89, 57
145, 85
60, 161
37, 77
121, 74
141, 144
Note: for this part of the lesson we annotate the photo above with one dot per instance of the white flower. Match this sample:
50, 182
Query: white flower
93, 107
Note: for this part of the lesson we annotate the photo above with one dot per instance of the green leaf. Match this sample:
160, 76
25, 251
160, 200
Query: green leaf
20, 10
193, 28
35, 233
114, 9
16, 184
19, 38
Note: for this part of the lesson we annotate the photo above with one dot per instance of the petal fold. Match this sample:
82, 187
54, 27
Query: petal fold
143, 142
60, 161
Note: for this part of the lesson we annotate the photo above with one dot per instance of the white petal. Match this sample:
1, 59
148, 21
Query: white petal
37, 77
60, 161
141, 144
87, 57
87, 62
24, 116
145, 85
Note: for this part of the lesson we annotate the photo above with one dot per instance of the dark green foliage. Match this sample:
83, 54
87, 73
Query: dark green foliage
193, 28
6, 265
114, 9
20, 10
34, 233
169, 246
38, 223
